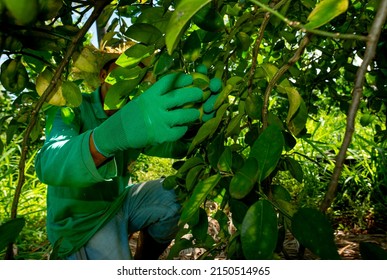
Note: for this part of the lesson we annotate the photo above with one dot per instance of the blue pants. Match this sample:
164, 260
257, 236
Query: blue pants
147, 205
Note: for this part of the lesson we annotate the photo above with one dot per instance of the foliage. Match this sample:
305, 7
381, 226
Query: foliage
278, 72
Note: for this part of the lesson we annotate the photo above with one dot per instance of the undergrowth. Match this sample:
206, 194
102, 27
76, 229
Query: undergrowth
361, 201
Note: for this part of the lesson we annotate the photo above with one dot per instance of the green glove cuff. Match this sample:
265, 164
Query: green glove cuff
118, 133
98, 148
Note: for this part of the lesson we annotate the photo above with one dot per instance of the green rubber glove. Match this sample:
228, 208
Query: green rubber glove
152, 118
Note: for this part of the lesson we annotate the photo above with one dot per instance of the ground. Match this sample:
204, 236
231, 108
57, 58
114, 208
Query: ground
347, 243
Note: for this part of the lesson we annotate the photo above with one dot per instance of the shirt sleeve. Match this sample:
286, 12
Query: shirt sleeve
65, 158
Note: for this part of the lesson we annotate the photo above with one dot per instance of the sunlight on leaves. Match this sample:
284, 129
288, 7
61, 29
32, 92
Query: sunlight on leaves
180, 17
259, 231
325, 11
199, 194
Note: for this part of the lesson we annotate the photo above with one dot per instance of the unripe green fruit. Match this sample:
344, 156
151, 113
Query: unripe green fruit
202, 69
14, 76
24, 11
215, 85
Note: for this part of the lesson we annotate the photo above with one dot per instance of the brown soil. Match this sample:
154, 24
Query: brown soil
347, 243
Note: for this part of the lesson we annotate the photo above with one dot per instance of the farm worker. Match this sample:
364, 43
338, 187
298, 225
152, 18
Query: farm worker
91, 207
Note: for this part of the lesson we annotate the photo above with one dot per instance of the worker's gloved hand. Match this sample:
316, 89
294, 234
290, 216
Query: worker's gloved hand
155, 117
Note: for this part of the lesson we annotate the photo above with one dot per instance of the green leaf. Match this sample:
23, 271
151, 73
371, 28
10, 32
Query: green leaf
105, 15
295, 169
170, 182
325, 11
10, 230
192, 47
243, 181
233, 127
72, 93
269, 70
67, 114
223, 222
163, 64
184, 12
215, 149
209, 19
156, 16
267, 150
143, 33
35, 132
275, 21
123, 81
190, 163
202, 189
192, 176
234, 249
313, 230
279, 192
199, 231
308, 3
35, 59
238, 210
118, 93
297, 123
50, 117
259, 231
372, 251
294, 98
367, 119
225, 160
180, 244
208, 128
254, 104
12, 128
223, 95
134, 55
124, 74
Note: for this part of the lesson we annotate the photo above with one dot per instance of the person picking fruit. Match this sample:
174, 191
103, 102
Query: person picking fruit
92, 207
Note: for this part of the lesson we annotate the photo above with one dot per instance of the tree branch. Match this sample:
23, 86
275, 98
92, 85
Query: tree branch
372, 41
257, 44
300, 26
305, 41
98, 8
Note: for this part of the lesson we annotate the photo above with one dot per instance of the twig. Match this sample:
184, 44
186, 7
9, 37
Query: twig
257, 44
300, 26
41, 59
369, 54
99, 6
305, 41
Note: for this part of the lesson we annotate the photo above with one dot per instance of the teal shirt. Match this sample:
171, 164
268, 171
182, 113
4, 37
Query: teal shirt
80, 197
